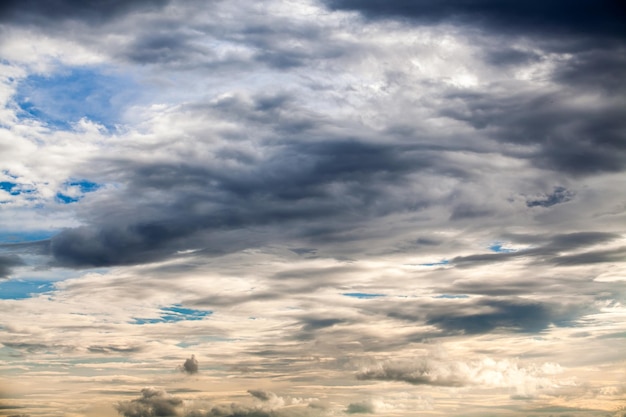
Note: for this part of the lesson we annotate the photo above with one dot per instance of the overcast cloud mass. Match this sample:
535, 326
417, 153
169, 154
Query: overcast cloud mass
312, 208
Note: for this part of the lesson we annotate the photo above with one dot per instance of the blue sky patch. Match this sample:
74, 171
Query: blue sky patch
30, 236
85, 186
66, 199
174, 314
75, 191
9, 187
498, 247
20, 289
362, 295
63, 98
443, 262
14, 188
452, 296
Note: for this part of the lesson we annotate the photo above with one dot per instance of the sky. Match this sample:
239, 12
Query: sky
310, 208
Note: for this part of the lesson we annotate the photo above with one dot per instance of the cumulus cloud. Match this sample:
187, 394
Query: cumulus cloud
484, 372
152, 403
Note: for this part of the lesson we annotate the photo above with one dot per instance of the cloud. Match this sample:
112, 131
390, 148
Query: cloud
276, 189
550, 249
92, 11
560, 17
7, 262
232, 410
191, 365
417, 374
152, 403
564, 139
485, 372
515, 315
262, 395
275, 168
363, 407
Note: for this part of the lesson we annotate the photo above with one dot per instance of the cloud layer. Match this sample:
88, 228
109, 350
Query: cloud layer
310, 208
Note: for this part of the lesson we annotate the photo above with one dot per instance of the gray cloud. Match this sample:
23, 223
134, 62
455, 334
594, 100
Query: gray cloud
548, 249
363, 407
92, 11
422, 372
191, 365
592, 257
155, 403
280, 158
558, 17
113, 349
295, 186
311, 327
490, 314
152, 403
579, 141
262, 395
7, 262
232, 410
516, 315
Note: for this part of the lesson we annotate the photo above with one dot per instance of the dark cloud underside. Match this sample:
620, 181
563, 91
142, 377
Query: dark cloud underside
91, 11
597, 18
7, 262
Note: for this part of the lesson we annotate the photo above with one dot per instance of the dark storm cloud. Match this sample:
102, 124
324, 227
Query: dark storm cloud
91, 11
578, 140
598, 18
596, 69
113, 245
152, 403
205, 206
7, 262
